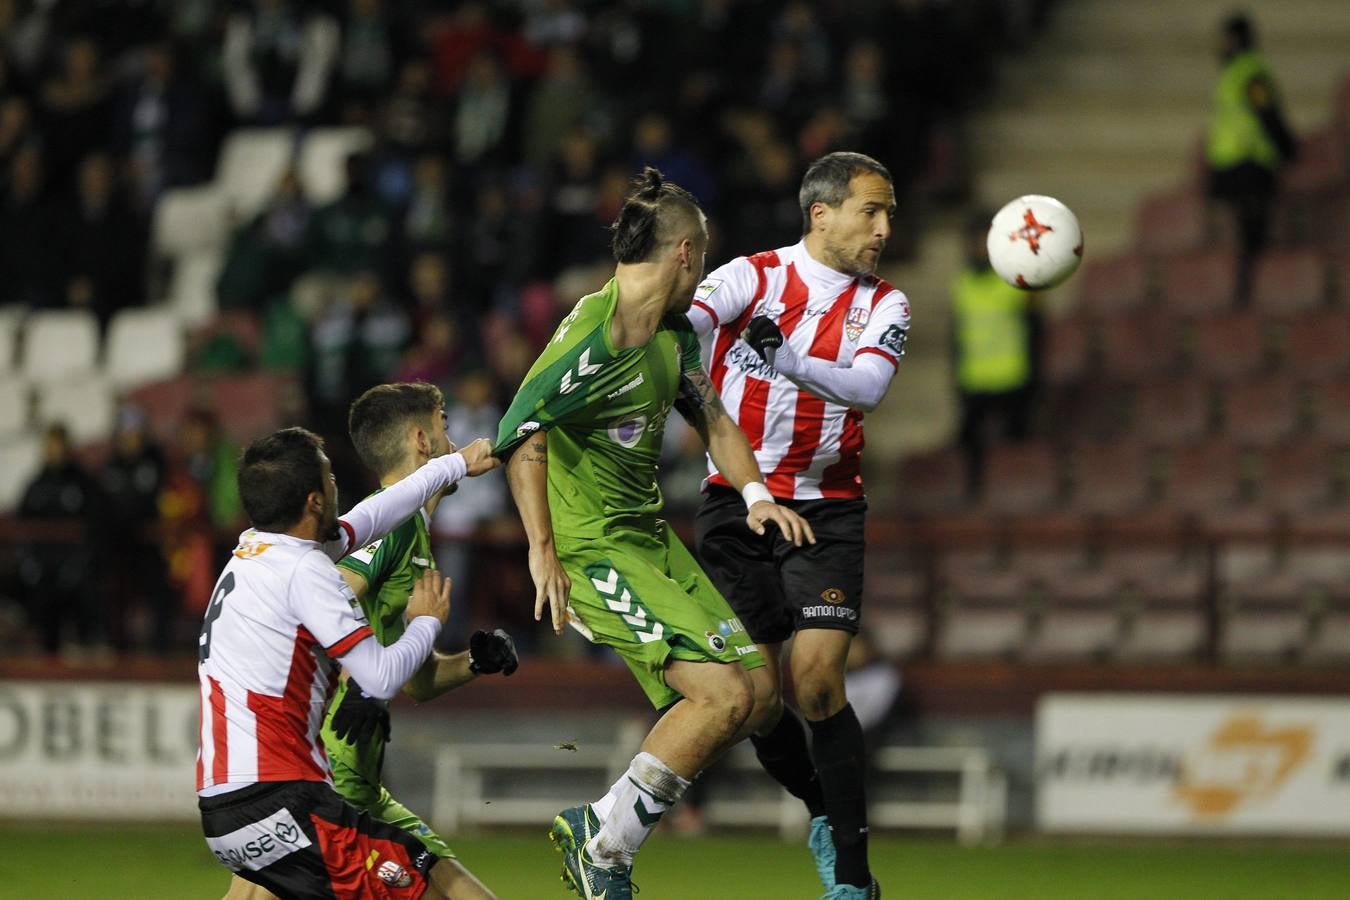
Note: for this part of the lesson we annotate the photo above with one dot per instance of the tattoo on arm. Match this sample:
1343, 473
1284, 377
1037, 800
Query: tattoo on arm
698, 402
535, 451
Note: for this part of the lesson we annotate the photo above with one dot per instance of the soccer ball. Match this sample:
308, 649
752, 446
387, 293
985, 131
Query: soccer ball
1035, 242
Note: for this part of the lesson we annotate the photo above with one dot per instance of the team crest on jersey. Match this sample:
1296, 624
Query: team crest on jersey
394, 875
856, 321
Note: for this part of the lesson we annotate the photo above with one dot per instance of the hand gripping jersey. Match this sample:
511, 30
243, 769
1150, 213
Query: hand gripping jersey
806, 447
279, 617
604, 411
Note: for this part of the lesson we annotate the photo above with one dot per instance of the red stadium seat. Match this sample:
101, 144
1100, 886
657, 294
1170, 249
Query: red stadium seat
1317, 345
1075, 632
933, 482
1330, 406
1115, 284
1109, 477
1160, 575
1021, 478
1171, 222
1199, 283
977, 575
1230, 346
1262, 633
1298, 477
981, 631
1065, 359
1164, 634
1171, 412
1136, 347
1286, 282
1261, 412
1204, 477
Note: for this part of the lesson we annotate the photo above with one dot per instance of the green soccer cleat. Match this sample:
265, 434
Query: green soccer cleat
853, 892
572, 830
821, 844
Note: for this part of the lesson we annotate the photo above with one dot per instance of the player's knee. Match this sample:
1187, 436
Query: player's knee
820, 696
735, 703
768, 708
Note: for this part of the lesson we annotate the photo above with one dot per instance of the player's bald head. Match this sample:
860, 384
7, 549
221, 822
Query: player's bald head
657, 215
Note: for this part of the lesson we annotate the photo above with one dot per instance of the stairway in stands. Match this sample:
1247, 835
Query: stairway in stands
1107, 106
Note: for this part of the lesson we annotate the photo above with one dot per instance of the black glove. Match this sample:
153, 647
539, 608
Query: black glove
763, 336
359, 717
491, 652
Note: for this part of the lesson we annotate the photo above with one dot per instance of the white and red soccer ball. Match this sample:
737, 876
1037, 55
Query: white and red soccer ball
1035, 242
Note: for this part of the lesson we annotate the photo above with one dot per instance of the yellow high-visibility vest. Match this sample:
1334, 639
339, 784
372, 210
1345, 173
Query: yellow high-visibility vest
1236, 134
991, 333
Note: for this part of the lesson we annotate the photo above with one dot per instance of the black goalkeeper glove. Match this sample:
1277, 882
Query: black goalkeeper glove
491, 652
763, 336
360, 717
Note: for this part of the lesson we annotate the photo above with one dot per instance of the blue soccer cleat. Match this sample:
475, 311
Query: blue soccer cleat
853, 892
572, 830
821, 844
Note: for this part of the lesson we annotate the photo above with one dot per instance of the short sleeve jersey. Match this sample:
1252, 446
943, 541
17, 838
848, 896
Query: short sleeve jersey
604, 411
280, 615
391, 566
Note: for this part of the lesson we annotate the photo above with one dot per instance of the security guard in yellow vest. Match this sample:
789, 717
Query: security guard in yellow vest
1248, 142
995, 328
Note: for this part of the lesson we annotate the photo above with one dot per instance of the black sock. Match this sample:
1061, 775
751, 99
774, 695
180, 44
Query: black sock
784, 755
837, 745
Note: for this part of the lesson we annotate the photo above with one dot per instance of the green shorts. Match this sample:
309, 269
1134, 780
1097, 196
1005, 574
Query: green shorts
643, 594
356, 775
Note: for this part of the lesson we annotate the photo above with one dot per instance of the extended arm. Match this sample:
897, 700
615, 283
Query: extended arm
527, 476
381, 671
860, 387
377, 515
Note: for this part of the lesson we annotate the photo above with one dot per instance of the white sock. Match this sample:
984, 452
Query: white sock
605, 804
639, 799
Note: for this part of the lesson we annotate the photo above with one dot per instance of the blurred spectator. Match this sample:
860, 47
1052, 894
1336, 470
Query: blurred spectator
16, 130
412, 120
76, 112
1249, 141
56, 572
559, 102
165, 127
438, 353
489, 257
550, 23
655, 144
470, 413
577, 234
132, 480
102, 241
427, 222
29, 257
278, 60
372, 43
197, 506
484, 115
766, 212
267, 253
996, 330
357, 343
352, 233
429, 286
864, 98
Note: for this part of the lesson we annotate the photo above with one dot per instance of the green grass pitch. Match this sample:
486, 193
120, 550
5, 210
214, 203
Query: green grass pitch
172, 863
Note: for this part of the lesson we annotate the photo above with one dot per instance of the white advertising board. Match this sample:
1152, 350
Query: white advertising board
108, 750
1198, 764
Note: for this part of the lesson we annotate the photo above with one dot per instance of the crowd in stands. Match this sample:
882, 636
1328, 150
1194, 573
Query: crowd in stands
499, 140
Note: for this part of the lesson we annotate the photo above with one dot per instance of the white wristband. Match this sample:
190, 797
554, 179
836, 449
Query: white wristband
754, 492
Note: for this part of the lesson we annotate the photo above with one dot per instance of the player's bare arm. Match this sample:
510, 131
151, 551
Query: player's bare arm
702, 408
527, 476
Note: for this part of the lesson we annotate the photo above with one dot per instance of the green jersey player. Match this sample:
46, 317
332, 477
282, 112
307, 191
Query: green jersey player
396, 427
582, 440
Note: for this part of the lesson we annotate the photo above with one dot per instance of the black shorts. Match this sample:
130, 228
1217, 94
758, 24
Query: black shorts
775, 588
301, 839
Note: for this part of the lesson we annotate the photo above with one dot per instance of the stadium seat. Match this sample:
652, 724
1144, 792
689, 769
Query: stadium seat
144, 345
1204, 477
1074, 632
188, 220
1163, 633
1329, 406
1329, 638
192, 290
1116, 284
250, 405
85, 405
1067, 346
979, 575
1298, 477
1170, 412
1137, 347
1157, 575
323, 156
1287, 282
59, 344
1109, 477
166, 403
20, 461
1230, 346
1200, 283
971, 631
898, 632
1262, 412
1262, 633
932, 482
1317, 345
1320, 165
251, 165
1021, 478
1171, 222
14, 403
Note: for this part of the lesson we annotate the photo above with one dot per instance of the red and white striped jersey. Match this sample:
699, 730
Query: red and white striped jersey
807, 447
278, 618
